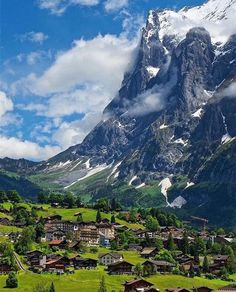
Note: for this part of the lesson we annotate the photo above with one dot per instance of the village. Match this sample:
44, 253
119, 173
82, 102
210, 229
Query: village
162, 245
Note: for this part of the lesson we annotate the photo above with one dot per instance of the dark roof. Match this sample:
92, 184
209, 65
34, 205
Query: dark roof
128, 283
221, 257
119, 263
228, 287
148, 250
114, 255
160, 263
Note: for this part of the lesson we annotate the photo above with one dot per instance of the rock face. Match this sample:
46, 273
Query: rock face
175, 114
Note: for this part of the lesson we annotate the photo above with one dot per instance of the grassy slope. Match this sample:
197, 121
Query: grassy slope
89, 281
88, 215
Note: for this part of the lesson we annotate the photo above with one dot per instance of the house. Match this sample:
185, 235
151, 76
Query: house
148, 252
202, 289
36, 258
53, 234
185, 262
134, 246
74, 245
177, 290
110, 258
138, 285
228, 288
158, 266
106, 229
219, 261
57, 265
223, 240
5, 268
84, 263
146, 233
58, 243
120, 268
53, 218
5, 221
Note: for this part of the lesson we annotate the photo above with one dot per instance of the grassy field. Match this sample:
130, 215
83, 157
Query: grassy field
88, 281
88, 215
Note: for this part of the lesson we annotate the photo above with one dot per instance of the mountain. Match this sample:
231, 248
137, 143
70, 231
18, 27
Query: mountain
168, 136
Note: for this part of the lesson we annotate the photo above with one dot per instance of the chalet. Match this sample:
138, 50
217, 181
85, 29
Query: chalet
148, 252
221, 260
146, 233
36, 259
53, 234
177, 290
57, 265
110, 258
53, 218
138, 285
158, 266
223, 240
74, 245
84, 263
5, 268
5, 221
228, 288
58, 243
134, 246
120, 268
185, 261
202, 289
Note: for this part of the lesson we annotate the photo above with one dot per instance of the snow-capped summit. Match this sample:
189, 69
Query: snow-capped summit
216, 16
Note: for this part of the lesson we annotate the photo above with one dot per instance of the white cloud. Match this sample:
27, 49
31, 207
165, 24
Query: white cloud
58, 7
114, 5
34, 37
100, 60
16, 148
230, 91
73, 133
6, 104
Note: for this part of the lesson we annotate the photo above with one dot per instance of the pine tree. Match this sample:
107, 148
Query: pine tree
12, 281
102, 286
171, 245
98, 217
113, 219
185, 244
205, 265
52, 288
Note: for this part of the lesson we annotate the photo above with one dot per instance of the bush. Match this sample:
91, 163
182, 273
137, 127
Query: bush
12, 281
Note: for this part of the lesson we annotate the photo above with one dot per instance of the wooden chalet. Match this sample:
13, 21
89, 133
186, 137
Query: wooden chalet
202, 289
219, 262
120, 268
36, 259
228, 288
5, 268
58, 265
148, 252
158, 266
58, 243
5, 221
84, 263
110, 258
177, 290
138, 285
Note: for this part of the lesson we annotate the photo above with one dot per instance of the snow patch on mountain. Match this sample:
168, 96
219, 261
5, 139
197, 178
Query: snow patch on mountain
165, 184
91, 172
198, 113
132, 179
189, 184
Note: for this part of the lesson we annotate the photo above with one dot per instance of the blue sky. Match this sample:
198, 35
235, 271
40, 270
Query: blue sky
61, 62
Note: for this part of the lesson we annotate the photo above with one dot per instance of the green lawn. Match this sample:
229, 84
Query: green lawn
8, 229
88, 281
88, 215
